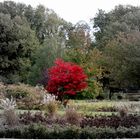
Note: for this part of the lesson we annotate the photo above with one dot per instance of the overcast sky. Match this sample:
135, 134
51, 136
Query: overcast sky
76, 10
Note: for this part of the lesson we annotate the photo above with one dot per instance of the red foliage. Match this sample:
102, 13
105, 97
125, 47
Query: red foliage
66, 78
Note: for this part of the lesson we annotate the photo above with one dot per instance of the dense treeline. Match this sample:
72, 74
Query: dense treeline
118, 39
29, 37
32, 38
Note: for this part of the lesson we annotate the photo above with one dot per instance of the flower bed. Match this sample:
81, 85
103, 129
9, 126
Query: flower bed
113, 121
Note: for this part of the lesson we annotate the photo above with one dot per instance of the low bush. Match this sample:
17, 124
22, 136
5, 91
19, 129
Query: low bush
123, 110
28, 118
38, 117
51, 109
27, 97
2, 90
72, 117
38, 131
17, 91
111, 121
9, 114
119, 96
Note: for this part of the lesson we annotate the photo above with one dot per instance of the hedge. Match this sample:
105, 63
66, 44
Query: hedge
37, 131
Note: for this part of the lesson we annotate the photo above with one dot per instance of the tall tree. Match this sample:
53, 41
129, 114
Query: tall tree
107, 25
122, 60
53, 46
17, 44
81, 52
116, 35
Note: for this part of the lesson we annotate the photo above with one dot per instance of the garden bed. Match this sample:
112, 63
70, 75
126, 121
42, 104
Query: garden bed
113, 121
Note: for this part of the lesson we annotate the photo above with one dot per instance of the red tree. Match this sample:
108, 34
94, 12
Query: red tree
65, 78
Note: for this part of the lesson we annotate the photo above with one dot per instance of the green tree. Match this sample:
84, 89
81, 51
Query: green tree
116, 35
122, 60
81, 53
121, 19
17, 44
43, 21
53, 47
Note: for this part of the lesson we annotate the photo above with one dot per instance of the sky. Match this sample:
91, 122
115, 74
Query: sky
77, 10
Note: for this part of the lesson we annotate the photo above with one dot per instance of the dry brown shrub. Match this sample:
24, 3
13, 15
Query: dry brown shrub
72, 116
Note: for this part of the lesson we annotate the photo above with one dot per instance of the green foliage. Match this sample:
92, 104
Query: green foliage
52, 47
36, 17
18, 44
122, 59
108, 25
117, 36
89, 60
17, 91
78, 49
44, 58
22, 26
38, 22
70, 132
101, 106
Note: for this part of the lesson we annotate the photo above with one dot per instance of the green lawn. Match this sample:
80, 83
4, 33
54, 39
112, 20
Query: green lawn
93, 108
62, 112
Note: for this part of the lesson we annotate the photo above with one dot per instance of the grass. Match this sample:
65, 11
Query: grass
93, 108
105, 107
21, 111
61, 112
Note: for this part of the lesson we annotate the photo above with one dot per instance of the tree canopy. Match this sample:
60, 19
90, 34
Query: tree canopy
32, 38
17, 45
